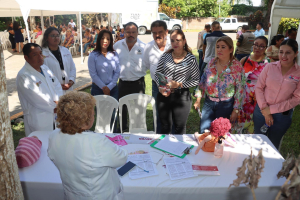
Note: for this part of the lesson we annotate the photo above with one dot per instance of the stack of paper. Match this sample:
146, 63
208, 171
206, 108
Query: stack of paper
171, 145
178, 168
144, 161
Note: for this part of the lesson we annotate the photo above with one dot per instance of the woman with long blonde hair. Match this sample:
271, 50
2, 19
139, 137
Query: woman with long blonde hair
222, 84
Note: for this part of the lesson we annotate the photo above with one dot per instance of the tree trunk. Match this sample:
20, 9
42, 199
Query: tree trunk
267, 17
10, 186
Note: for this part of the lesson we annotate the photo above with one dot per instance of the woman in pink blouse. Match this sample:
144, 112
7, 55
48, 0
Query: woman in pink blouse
222, 84
277, 93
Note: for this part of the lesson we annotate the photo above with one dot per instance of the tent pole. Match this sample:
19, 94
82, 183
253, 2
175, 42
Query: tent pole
42, 22
81, 37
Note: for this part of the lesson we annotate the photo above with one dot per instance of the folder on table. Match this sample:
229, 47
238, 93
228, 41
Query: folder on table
171, 146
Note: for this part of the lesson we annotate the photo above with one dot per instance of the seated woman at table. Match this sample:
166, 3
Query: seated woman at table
277, 93
87, 161
222, 84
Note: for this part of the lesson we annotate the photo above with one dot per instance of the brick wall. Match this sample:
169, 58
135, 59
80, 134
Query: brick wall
196, 22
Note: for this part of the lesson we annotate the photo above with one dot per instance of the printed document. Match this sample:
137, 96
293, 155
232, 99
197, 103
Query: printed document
144, 161
172, 145
178, 168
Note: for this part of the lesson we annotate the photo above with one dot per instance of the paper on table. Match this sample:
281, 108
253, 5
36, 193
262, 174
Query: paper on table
206, 170
145, 162
119, 140
178, 168
172, 145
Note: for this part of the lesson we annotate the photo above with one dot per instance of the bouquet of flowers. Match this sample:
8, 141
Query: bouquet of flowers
219, 130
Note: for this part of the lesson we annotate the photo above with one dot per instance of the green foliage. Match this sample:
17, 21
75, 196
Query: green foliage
255, 18
168, 10
198, 8
287, 23
242, 9
63, 19
225, 9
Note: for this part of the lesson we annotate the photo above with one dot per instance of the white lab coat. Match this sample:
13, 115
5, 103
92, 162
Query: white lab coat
53, 64
87, 165
37, 94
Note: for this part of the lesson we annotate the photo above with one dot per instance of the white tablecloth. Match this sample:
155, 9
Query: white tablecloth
41, 181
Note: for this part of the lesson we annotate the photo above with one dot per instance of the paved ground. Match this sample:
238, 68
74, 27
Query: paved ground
14, 62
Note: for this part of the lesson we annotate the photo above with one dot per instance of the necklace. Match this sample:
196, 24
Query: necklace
177, 56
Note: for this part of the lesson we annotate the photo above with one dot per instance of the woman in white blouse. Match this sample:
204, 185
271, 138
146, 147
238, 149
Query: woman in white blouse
87, 161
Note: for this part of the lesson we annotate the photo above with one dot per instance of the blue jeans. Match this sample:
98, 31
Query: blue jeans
113, 93
202, 69
240, 56
281, 124
200, 59
155, 91
86, 45
212, 110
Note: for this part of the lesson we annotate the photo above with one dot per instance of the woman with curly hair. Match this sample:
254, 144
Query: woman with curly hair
87, 161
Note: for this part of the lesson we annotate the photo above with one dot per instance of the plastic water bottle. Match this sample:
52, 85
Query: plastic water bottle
264, 128
219, 149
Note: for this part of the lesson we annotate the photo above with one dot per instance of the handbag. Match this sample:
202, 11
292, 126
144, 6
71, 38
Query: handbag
84, 40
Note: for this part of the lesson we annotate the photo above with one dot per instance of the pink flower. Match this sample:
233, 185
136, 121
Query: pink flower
219, 127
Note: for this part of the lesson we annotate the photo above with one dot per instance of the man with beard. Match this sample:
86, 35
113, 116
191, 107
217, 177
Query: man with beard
131, 51
153, 51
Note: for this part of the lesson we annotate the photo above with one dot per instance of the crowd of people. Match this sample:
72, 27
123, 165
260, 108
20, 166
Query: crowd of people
255, 86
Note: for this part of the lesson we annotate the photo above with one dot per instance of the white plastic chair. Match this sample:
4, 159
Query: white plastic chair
137, 107
105, 106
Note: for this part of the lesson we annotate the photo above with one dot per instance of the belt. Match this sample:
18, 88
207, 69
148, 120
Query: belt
142, 78
218, 99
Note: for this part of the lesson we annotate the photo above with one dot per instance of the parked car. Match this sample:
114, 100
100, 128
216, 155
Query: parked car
231, 24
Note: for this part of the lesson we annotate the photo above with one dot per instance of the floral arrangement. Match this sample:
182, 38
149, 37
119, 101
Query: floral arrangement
219, 127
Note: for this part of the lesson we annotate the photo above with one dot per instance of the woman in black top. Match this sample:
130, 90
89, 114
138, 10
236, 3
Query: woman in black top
12, 37
18, 35
180, 66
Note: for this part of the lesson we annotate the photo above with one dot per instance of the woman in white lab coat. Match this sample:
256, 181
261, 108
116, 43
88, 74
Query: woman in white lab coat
58, 59
38, 91
87, 161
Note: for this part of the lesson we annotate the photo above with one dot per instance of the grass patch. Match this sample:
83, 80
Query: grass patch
290, 141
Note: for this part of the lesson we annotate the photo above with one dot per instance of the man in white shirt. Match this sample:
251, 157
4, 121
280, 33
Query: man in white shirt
131, 51
38, 90
72, 23
153, 51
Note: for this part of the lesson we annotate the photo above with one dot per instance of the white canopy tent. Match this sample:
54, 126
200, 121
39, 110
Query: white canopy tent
11, 8
284, 8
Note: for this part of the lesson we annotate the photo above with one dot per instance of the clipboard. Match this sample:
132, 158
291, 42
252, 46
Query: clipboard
162, 137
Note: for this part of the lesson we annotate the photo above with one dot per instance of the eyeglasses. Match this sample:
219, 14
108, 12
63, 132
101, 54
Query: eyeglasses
259, 47
54, 36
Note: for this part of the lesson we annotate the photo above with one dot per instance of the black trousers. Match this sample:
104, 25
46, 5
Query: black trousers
12, 41
176, 108
129, 87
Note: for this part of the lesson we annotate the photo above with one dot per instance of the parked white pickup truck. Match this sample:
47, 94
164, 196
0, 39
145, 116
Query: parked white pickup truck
230, 24
144, 20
